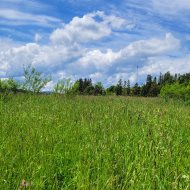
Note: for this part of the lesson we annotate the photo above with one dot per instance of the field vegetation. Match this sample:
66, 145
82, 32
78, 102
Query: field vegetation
86, 142
84, 136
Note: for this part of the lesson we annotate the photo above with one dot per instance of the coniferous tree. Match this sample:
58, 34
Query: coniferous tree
136, 90
168, 78
154, 90
124, 93
128, 88
149, 81
160, 80
155, 80
81, 87
144, 91
119, 88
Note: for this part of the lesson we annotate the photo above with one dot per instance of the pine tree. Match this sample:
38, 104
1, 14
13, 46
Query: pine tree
119, 88
136, 90
128, 88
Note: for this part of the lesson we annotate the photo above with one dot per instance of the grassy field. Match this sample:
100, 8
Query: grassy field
94, 143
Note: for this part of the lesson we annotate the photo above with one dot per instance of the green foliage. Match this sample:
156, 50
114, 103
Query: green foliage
75, 88
111, 90
128, 88
109, 143
98, 89
176, 90
173, 86
119, 88
85, 87
63, 86
9, 85
136, 90
34, 81
89, 90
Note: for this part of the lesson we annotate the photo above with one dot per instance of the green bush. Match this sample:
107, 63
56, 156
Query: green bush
8, 85
176, 90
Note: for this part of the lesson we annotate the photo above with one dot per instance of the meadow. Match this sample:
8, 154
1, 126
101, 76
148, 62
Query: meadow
108, 143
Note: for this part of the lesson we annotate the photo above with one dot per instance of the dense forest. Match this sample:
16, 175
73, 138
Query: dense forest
166, 85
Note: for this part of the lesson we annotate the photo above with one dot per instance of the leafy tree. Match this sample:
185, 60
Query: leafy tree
98, 89
89, 90
33, 80
8, 85
111, 90
63, 86
12, 85
3, 86
176, 90
75, 88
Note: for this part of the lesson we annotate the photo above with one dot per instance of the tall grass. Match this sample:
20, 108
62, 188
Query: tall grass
94, 143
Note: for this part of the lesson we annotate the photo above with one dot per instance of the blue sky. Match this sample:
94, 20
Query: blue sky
101, 39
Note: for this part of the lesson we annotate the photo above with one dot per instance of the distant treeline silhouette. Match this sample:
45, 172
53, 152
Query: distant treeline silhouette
166, 85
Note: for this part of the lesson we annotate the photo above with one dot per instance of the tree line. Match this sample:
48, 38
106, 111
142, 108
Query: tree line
165, 85
152, 87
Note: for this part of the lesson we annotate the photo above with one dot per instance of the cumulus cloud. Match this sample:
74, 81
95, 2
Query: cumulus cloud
152, 46
66, 56
131, 53
46, 58
92, 26
99, 59
80, 61
166, 63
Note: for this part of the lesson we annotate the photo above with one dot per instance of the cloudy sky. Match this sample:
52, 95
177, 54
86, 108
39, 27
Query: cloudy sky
100, 39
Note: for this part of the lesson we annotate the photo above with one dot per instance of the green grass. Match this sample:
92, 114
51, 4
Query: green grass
94, 143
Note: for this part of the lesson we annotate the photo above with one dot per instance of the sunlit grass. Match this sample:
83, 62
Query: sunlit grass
94, 143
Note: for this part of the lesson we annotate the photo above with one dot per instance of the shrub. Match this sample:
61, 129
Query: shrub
176, 90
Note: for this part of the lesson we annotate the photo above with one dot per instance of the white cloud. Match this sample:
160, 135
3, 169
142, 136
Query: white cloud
80, 61
6, 44
96, 76
69, 57
21, 18
156, 65
152, 46
171, 7
92, 26
134, 51
31, 4
98, 59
